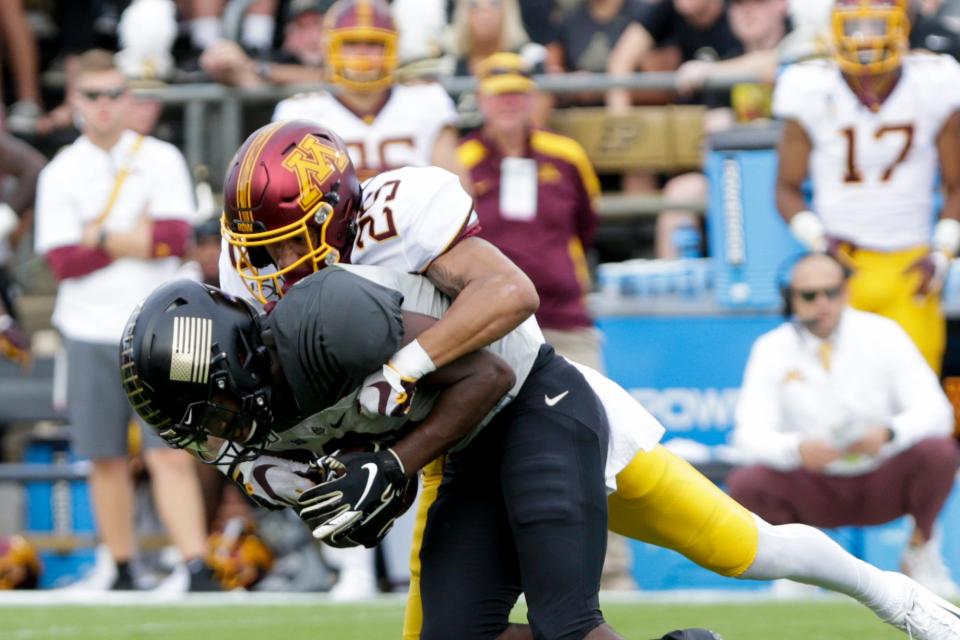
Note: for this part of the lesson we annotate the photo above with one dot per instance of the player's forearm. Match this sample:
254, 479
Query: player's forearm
483, 312
482, 379
951, 205
790, 200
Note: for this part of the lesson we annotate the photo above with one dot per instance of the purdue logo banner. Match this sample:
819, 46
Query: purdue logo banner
190, 351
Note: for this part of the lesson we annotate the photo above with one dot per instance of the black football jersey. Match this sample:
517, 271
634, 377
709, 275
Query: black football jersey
332, 330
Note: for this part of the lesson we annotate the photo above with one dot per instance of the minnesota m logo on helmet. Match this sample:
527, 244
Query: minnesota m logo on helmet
314, 162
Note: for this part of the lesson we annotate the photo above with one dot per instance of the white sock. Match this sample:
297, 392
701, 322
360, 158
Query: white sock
258, 31
805, 554
204, 32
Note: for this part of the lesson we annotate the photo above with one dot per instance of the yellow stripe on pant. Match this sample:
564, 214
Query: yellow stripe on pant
879, 285
660, 499
430, 478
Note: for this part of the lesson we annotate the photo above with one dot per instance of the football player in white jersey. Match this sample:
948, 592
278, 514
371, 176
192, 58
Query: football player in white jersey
385, 125
868, 127
293, 206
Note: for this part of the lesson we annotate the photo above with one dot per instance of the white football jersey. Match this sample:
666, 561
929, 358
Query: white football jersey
401, 134
414, 215
873, 172
519, 349
409, 217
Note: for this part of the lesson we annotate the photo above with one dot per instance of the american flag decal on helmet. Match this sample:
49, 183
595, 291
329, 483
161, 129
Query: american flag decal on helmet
190, 359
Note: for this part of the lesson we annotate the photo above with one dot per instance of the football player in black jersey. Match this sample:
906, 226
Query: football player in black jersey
522, 497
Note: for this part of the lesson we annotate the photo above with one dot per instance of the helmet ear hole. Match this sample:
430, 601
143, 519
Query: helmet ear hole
179, 302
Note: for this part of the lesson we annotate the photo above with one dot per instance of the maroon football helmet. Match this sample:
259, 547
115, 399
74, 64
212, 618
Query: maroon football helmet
352, 22
870, 36
289, 181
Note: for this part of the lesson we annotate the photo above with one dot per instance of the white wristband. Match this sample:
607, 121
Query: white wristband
8, 220
946, 236
807, 228
412, 362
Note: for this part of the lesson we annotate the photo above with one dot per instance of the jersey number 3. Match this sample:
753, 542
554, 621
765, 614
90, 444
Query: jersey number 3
853, 173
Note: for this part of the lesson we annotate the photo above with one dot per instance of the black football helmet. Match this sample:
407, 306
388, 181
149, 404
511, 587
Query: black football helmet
194, 367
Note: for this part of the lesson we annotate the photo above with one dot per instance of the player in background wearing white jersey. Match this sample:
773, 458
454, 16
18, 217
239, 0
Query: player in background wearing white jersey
868, 126
384, 124
289, 204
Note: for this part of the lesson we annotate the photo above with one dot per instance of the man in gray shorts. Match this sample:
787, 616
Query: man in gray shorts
112, 218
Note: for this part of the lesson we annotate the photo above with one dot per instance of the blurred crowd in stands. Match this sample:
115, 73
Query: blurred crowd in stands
280, 42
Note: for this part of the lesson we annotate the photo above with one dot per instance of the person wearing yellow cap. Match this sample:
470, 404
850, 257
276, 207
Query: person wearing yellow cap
535, 192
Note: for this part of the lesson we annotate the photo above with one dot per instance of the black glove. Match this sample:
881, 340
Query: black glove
366, 492
371, 531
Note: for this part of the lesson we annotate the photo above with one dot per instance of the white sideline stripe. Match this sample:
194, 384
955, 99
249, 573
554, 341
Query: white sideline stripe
62, 597
55, 597
154, 628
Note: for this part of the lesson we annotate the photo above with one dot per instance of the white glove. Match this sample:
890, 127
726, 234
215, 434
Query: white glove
272, 481
808, 229
389, 392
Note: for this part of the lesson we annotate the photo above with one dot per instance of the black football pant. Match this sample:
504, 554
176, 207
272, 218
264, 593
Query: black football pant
522, 508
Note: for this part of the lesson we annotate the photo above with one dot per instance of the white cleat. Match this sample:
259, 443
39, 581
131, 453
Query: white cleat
922, 615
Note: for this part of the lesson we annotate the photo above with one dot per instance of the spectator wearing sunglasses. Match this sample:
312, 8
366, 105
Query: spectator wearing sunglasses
844, 422
535, 193
113, 217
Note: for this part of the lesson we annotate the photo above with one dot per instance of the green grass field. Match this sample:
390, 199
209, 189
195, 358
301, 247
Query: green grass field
821, 620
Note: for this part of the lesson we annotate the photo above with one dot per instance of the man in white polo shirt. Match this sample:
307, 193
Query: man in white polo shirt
113, 214
846, 422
